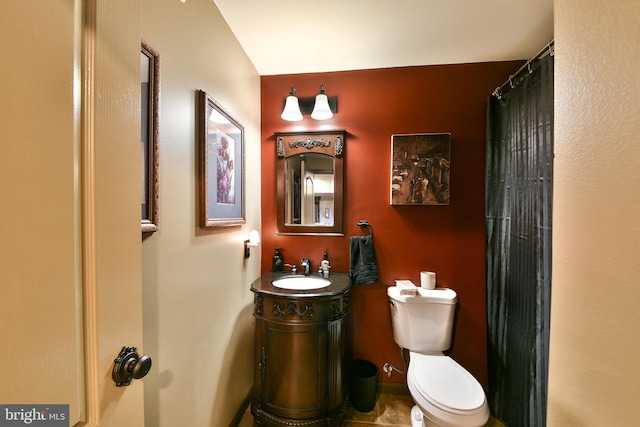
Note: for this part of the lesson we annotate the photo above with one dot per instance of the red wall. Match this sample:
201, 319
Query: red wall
373, 105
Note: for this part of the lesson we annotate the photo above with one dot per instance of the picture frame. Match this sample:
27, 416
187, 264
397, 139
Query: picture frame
222, 165
149, 106
420, 169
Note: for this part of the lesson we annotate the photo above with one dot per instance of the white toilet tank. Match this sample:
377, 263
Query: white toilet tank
423, 321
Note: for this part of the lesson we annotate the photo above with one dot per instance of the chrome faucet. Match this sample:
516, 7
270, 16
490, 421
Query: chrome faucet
294, 270
307, 266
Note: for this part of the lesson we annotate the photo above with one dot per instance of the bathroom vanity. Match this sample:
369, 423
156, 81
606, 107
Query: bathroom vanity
300, 367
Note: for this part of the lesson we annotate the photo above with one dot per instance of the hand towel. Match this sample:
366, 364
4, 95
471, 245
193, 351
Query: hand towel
363, 267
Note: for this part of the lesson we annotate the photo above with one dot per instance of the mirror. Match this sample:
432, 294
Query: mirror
310, 182
149, 103
309, 190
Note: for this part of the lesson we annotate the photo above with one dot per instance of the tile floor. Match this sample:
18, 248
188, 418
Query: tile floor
391, 410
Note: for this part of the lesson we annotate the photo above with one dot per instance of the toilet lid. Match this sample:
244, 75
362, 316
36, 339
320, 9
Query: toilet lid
441, 381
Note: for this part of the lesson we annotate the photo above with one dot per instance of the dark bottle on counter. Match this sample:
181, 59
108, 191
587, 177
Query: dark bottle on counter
277, 263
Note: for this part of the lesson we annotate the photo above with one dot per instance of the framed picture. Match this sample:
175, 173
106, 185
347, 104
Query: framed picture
221, 140
149, 103
420, 169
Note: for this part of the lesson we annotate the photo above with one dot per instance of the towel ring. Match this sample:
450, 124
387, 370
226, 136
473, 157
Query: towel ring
364, 223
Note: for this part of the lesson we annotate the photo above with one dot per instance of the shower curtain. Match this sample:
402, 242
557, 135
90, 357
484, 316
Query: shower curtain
518, 204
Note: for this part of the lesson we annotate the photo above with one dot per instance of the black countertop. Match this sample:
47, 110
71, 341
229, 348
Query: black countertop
340, 282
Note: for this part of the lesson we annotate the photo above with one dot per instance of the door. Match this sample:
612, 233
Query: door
70, 244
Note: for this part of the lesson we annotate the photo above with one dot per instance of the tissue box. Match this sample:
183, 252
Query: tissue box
407, 287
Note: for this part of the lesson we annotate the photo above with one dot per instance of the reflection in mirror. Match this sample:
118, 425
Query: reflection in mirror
309, 182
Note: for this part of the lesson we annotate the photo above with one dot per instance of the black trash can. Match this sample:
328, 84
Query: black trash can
363, 385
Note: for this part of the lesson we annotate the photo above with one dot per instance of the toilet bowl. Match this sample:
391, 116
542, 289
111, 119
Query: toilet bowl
445, 393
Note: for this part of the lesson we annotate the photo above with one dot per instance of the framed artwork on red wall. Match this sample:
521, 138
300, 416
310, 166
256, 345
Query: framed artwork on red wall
420, 169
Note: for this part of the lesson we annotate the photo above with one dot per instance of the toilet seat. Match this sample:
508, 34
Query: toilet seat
445, 391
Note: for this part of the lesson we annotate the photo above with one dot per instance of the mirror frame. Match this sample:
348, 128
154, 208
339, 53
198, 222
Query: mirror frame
149, 106
329, 142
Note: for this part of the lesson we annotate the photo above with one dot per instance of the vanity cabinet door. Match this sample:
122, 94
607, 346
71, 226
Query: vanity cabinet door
295, 370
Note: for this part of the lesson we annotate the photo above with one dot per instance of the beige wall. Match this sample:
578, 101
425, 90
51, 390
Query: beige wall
198, 325
70, 261
594, 380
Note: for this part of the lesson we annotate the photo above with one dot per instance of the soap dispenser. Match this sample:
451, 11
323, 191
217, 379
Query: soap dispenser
277, 262
324, 265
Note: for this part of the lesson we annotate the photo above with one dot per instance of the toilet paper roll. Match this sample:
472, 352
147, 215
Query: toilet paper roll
428, 279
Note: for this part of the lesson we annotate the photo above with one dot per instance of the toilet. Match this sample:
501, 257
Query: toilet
445, 393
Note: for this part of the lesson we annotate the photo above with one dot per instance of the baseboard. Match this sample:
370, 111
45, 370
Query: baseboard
393, 388
242, 410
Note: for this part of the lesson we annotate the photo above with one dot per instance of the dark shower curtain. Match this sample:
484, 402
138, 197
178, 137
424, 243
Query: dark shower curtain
518, 205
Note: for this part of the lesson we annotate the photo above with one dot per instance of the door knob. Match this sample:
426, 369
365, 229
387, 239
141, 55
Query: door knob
128, 365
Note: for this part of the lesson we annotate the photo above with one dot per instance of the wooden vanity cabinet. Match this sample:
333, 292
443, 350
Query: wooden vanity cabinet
299, 360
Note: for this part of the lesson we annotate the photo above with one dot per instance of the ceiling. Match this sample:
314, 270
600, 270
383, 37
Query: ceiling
306, 36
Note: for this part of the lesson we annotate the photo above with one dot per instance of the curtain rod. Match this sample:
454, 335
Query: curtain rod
527, 65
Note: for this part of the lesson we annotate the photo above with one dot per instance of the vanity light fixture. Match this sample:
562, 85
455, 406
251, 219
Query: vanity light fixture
291, 110
252, 242
322, 107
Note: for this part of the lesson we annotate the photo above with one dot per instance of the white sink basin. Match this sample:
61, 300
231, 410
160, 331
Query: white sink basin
301, 283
